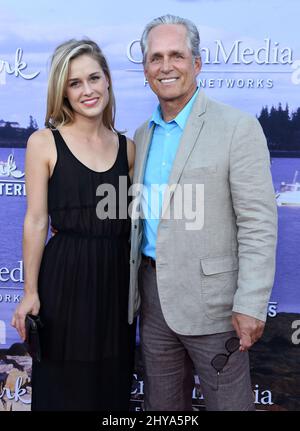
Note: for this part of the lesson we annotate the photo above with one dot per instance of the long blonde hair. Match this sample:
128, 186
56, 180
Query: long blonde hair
59, 111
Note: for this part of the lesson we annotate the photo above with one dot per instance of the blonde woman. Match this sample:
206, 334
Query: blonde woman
78, 282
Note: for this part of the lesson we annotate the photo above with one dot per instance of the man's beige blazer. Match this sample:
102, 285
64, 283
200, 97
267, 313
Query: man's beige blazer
228, 264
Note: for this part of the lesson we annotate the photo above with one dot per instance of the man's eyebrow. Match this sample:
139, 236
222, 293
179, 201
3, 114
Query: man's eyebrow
172, 52
156, 54
176, 51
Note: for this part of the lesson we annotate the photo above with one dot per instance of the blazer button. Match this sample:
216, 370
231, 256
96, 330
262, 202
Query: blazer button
133, 260
135, 226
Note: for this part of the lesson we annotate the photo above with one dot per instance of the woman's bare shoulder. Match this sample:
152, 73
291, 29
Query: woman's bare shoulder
41, 146
42, 141
40, 137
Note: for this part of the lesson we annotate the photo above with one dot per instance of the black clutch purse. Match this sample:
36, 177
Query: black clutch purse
33, 325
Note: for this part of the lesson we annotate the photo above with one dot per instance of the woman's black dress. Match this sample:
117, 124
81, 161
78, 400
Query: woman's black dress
87, 344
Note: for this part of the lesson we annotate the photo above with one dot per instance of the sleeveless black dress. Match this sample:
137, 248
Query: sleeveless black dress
87, 345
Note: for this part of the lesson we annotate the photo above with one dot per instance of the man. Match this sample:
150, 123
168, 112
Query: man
204, 287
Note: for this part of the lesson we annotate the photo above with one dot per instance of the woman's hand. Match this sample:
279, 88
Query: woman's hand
30, 304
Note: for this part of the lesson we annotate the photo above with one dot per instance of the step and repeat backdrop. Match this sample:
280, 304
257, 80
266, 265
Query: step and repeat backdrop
251, 59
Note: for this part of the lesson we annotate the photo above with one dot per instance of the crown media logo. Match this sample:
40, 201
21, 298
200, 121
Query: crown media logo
237, 64
11, 178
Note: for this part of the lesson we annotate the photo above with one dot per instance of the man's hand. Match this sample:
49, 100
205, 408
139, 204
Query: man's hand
248, 329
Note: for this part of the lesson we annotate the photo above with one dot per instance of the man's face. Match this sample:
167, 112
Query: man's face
169, 66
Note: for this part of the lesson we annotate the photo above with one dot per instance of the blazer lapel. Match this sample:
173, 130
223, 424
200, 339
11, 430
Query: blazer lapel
141, 163
187, 142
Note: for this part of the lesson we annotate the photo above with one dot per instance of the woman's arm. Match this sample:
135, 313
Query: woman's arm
37, 168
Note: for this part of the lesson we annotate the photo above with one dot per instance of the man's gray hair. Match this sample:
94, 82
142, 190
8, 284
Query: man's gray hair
193, 37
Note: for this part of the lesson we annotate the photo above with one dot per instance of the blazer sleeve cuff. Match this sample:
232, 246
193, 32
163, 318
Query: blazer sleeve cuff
251, 311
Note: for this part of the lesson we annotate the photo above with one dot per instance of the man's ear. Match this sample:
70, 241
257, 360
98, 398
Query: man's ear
145, 71
197, 65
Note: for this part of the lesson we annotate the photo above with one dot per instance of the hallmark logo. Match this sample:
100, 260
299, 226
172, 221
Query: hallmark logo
16, 68
8, 169
18, 394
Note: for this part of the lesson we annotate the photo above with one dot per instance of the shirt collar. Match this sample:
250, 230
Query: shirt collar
181, 117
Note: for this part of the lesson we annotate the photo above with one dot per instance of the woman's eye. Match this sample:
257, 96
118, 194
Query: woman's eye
95, 78
74, 84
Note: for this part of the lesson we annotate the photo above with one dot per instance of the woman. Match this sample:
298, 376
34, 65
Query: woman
79, 282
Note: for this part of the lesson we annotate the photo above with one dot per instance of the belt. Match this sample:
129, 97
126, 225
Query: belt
149, 261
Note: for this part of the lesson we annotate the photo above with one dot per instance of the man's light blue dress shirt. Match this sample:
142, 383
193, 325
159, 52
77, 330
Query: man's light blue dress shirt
162, 152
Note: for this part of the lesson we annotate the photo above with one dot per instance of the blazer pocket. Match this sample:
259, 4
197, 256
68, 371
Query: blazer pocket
220, 264
219, 284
